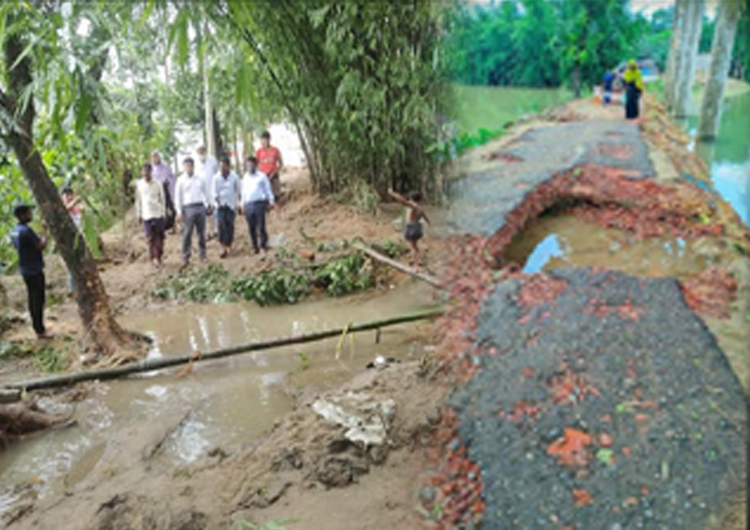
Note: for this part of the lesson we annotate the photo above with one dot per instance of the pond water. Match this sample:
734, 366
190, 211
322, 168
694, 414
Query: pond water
231, 401
729, 155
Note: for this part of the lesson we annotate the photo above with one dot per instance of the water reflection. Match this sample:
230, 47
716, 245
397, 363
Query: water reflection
729, 155
563, 241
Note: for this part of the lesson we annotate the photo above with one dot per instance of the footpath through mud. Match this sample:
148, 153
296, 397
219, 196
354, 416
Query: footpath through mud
590, 398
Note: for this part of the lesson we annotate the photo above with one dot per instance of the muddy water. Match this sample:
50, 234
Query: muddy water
227, 402
565, 241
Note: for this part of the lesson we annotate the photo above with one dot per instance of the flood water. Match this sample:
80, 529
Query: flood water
231, 401
568, 241
729, 155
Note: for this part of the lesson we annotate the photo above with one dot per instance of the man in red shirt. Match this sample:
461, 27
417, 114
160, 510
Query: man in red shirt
270, 163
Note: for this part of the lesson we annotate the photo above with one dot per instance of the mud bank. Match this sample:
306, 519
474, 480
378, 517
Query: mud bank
300, 470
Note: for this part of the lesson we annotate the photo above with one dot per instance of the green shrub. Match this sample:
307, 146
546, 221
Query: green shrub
273, 287
345, 275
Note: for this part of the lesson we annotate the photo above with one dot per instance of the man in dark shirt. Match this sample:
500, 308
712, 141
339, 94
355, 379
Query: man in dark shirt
31, 265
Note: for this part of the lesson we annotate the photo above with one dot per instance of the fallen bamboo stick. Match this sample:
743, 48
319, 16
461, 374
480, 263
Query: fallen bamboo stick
148, 365
396, 265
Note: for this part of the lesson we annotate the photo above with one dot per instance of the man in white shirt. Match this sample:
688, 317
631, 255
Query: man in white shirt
151, 208
257, 199
207, 168
191, 201
226, 195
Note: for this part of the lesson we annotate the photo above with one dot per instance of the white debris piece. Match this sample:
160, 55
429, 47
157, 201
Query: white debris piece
366, 420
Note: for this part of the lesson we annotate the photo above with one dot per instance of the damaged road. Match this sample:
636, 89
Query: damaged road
588, 398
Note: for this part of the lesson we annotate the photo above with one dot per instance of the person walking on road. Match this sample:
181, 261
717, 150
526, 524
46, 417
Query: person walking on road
270, 162
150, 208
162, 174
257, 199
207, 169
31, 264
191, 205
227, 193
633, 80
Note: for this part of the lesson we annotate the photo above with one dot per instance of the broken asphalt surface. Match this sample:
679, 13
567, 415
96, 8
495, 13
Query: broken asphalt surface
599, 400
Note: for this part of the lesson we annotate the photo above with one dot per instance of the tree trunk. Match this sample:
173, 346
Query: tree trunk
577, 80
237, 154
102, 332
211, 144
685, 66
670, 75
216, 129
721, 58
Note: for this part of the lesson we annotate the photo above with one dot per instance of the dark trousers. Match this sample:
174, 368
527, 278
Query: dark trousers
193, 218
632, 97
255, 215
154, 229
225, 224
35, 288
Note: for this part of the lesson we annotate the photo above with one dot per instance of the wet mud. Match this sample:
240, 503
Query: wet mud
218, 406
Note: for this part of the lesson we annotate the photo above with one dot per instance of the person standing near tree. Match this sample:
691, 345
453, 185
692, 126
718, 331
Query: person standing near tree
270, 162
31, 264
207, 169
257, 199
73, 205
150, 208
191, 204
162, 174
227, 193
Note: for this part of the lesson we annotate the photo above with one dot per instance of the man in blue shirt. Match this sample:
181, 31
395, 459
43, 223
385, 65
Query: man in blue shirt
609, 81
31, 264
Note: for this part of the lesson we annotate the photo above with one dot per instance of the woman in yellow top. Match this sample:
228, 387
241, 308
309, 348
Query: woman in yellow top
633, 89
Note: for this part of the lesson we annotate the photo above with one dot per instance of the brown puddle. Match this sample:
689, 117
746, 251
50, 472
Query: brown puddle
232, 401
569, 241
566, 240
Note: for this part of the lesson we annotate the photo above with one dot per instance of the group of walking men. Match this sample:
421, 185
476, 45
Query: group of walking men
213, 195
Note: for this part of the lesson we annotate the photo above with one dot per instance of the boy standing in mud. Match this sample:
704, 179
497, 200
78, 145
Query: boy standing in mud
413, 230
31, 264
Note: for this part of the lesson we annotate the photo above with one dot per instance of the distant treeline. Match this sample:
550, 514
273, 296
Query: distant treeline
544, 43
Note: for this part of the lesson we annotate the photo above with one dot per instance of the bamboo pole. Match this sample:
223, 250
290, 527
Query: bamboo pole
148, 365
398, 266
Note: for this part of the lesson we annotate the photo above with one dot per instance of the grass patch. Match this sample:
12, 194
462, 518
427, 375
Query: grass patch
48, 358
494, 108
